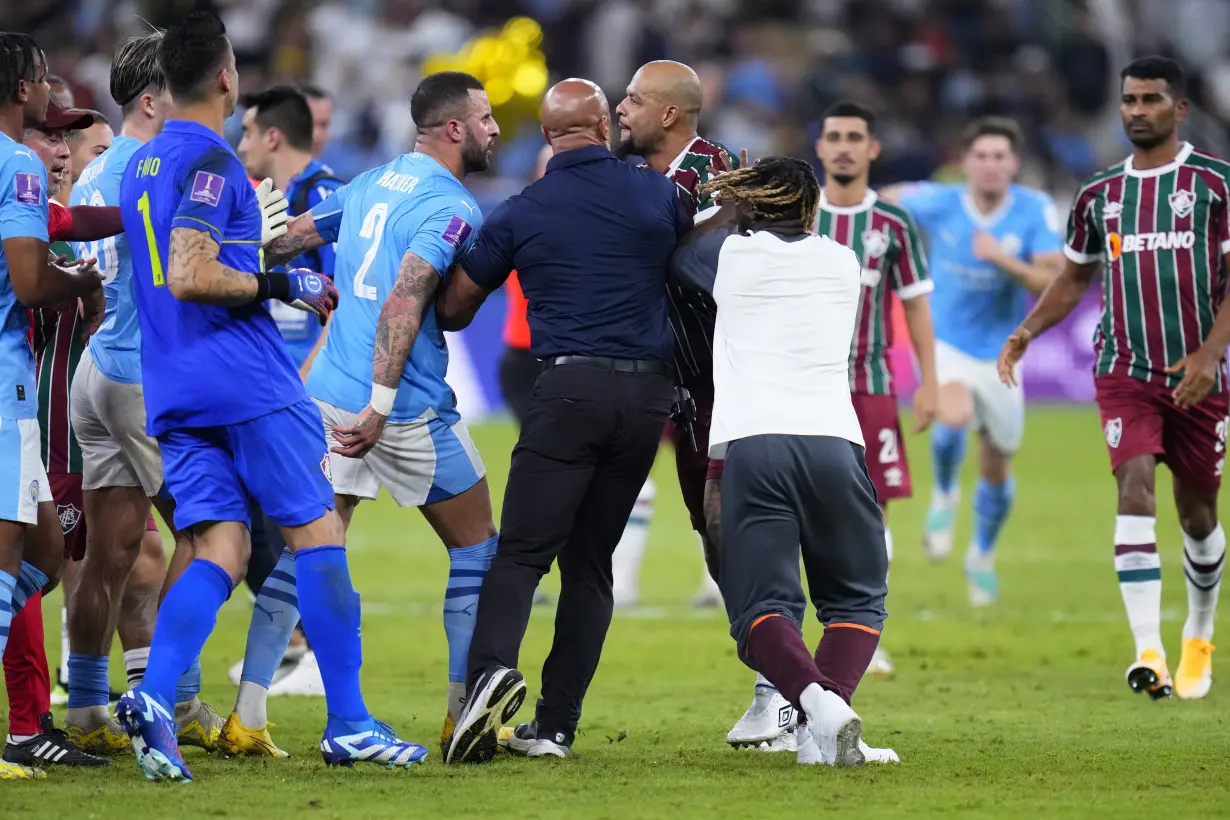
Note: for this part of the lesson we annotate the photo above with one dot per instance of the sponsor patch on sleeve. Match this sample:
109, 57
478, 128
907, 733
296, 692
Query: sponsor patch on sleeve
29, 188
456, 232
207, 188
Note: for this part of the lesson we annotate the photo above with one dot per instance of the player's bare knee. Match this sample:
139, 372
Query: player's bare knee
328, 530
1135, 479
956, 406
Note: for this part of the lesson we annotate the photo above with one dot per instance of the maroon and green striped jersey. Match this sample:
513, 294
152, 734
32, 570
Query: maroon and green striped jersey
890, 249
57, 350
692, 314
1161, 235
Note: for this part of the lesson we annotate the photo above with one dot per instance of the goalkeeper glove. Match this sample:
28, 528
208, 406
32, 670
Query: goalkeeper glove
273, 206
300, 288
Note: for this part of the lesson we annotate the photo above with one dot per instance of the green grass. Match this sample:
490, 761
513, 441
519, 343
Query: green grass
1017, 712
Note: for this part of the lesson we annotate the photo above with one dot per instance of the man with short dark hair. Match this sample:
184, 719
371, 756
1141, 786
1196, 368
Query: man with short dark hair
322, 116
1158, 226
402, 226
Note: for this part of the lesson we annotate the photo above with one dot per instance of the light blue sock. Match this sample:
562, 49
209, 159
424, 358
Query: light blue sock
466, 568
274, 616
88, 680
30, 581
189, 684
7, 584
185, 619
947, 453
992, 502
329, 609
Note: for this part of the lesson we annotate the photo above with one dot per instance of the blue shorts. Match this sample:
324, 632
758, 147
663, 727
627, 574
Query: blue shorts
279, 459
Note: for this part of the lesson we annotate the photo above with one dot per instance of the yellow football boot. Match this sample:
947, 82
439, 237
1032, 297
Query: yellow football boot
199, 725
239, 741
1195, 674
446, 734
106, 739
1150, 675
11, 771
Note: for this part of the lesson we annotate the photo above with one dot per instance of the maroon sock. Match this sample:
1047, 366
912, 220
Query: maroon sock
777, 651
842, 657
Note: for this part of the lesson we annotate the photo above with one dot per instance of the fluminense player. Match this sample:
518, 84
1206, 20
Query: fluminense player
120, 463
1159, 225
888, 246
992, 244
399, 228
196, 228
28, 278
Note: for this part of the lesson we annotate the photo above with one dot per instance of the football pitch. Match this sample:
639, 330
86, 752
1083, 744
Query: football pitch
1018, 711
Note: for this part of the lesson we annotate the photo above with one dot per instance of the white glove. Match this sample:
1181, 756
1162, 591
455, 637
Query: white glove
273, 211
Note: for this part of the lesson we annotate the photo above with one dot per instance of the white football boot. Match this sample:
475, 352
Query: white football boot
304, 679
941, 517
768, 724
835, 728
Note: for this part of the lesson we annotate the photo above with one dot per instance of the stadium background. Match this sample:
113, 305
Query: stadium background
768, 68
1019, 711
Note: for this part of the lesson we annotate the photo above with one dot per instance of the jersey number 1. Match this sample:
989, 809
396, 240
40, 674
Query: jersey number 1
155, 260
373, 229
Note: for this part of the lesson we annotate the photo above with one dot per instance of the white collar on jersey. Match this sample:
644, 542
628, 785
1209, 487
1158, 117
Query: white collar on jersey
677, 161
869, 199
1185, 151
985, 221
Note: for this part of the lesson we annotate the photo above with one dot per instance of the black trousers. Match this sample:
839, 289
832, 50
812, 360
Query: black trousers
782, 493
267, 546
519, 370
586, 448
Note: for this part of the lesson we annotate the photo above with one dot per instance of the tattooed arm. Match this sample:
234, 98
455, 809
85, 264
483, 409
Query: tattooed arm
194, 273
400, 319
301, 236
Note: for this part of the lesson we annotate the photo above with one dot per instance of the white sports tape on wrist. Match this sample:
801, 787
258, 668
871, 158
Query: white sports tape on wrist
383, 398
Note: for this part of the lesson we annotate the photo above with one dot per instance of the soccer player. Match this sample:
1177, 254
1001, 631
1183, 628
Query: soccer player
888, 246
196, 229
276, 144
87, 144
657, 121
992, 244
119, 463
322, 116
1158, 223
400, 227
30, 279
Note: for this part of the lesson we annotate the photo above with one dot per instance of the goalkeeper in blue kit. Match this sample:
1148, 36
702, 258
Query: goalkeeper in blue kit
196, 230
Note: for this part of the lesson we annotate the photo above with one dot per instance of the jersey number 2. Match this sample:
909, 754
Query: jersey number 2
108, 260
373, 229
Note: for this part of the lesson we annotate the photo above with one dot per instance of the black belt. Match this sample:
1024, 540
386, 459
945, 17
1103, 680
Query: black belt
609, 363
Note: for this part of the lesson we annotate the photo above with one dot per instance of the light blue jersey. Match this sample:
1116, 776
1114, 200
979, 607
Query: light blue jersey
116, 347
23, 212
411, 204
975, 304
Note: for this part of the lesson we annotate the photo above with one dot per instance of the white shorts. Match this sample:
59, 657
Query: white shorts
998, 409
419, 462
109, 422
23, 479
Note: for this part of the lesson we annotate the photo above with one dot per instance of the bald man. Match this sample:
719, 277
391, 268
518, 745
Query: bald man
591, 242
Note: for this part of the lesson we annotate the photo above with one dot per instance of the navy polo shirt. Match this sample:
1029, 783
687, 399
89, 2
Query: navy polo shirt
591, 243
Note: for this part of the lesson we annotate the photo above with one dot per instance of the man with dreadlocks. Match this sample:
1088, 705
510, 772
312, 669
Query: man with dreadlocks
28, 278
794, 472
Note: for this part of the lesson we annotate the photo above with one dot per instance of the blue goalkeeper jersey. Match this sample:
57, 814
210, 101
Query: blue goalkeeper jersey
976, 305
202, 365
413, 204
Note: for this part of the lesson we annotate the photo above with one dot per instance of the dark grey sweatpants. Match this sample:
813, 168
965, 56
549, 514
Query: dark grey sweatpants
780, 493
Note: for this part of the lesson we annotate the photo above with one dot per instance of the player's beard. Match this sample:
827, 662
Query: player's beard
628, 146
1148, 140
474, 157
843, 179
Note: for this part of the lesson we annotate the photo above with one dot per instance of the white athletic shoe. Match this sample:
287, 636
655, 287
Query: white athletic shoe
835, 728
880, 664
768, 724
294, 653
937, 531
809, 751
980, 573
303, 679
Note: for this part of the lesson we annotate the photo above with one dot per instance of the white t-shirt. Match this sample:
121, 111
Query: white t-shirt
781, 349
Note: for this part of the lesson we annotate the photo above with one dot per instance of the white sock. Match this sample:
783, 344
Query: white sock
62, 672
456, 699
1202, 564
630, 551
1140, 579
135, 661
250, 704
17, 738
945, 500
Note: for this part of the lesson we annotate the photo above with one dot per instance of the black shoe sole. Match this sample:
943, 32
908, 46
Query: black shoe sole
1144, 679
477, 741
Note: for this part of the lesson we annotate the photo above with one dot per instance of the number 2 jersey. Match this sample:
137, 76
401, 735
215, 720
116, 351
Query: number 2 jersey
890, 252
1161, 235
202, 365
412, 204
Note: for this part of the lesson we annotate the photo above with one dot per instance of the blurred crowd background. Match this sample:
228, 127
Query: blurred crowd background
769, 66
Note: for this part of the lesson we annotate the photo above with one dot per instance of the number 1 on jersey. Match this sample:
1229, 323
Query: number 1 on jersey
373, 229
155, 260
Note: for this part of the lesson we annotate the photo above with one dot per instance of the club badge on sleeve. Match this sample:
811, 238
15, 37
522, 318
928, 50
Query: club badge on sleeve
207, 188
